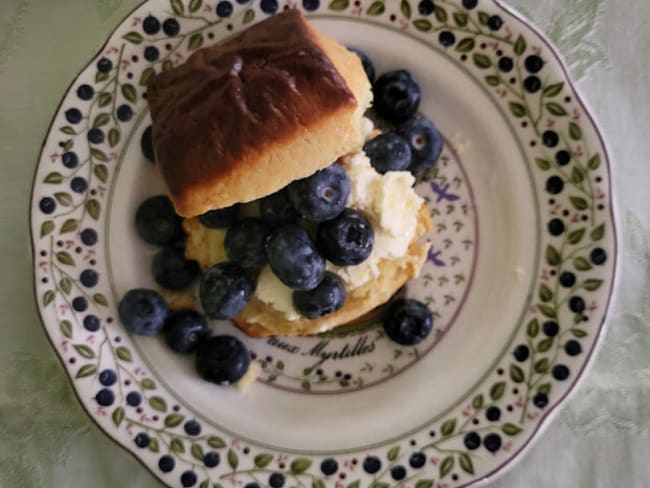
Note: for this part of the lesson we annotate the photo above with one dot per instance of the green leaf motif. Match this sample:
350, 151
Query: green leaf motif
393, 452
48, 297
158, 403
517, 374
174, 420
148, 384
86, 370
547, 311
63, 198
592, 284
377, 8
497, 391
196, 41
124, 354
299, 466
84, 351
339, 5
533, 328
545, 293
66, 129
93, 208
575, 132
422, 25
510, 429
545, 388
553, 257
69, 225
133, 37
483, 18
543, 164
576, 236
542, 366
233, 460
598, 233
553, 90
263, 460
98, 154
195, 5
99, 77
579, 203
66, 285
197, 452
177, 446
100, 299
64, 257
520, 43
129, 92
67, 145
249, 16
405, 8
318, 483
594, 162
492, 80
556, 109
354, 484
153, 445
103, 100
205, 484
440, 13
379, 484
177, 6
66, 328
167, 65
146, 76
448, 427
482, 61
114, 137
579, 333
216, 442
477, 401
466, 463
465, 45
545, 344
581, 264
101, 172
117, 416
517, 109
53, 178
460, 18
446, 466
47, 227
424, 484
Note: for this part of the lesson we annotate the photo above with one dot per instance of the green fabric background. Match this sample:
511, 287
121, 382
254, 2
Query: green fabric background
602, 436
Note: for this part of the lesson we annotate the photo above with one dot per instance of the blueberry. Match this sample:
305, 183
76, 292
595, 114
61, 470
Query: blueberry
598, 256
388, 152
470, 4
494, 23
146, 144
47, 205
89, 278
532, 84
220, 218
269, 6
417, 460
493, 414
311, 5
133, 398
371, 464
78, 184
533, 63
425, 140
171, 270
105, 397
225, 290
276, 480
104, 65
79, 304
142, 440
560, 372
563, 157
573, 348
577, 304
73, 115
492, 442
222, 359
150, 25
346, 240
327, 297
224, 9
276, 209
171, 27
447, 38
368, 66
567, 279
156, 221
166, 463
192, 427
95, 136
70, 159
85, 92
408, 322
91, 323
540, 400
142, 311
245, 242
426, 7
521, 353
550, 328
151, 53
321, 196
556, 227
397, 96
554, 185
398, 472
124, 113
506, 64
472, 441
107, 377
550, 138
188, 478
294, 259
211, 459
184, 330
329, 466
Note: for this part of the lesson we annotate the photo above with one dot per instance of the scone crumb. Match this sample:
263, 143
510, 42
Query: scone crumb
254, 371
178, 300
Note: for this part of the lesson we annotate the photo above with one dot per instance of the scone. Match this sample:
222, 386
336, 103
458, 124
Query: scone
242, 119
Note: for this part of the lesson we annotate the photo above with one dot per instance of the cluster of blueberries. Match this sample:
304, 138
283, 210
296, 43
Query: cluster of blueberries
298, 229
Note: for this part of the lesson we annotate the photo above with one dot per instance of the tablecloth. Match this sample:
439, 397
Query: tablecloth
600, 439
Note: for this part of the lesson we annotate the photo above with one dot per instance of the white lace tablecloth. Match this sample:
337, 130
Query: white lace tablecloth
600, 439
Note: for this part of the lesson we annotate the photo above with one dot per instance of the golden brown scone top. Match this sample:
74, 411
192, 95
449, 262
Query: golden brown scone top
234, 100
